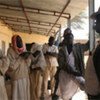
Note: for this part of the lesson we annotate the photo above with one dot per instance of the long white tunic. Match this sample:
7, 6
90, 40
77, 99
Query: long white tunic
4, 63
50, 60
20, 76
68, 85
35, 76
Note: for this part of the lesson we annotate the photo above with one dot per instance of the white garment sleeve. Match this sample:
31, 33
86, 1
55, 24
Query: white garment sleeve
13, 56
4, 64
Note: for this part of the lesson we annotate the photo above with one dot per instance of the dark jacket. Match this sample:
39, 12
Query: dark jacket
78, 51
96, 61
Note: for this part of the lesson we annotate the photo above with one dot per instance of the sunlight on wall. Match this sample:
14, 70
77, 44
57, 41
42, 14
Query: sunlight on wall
29, 38
5, 36
6, 33
97, 4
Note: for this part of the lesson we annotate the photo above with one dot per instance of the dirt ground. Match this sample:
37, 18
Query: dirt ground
80, 95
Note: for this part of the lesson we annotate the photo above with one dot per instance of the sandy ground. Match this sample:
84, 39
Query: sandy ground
80, 95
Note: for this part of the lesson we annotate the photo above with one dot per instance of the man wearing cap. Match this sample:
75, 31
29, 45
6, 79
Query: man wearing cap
70, 59
92, 74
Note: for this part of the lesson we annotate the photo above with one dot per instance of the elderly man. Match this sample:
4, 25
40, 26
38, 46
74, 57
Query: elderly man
71, 63
19, 69
92, 75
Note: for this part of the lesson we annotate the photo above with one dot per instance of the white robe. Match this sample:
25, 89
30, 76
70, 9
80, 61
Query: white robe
3, 93
36, 75
20, 76
4, 63
68, 87
67, 82
51, 67
21, 89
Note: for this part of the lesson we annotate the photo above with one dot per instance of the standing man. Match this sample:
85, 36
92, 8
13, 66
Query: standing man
50, 51
36, 72
19, 69
4, 64
92, 75
71, 63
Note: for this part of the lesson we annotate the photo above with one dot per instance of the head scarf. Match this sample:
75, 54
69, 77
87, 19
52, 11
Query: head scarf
17, 44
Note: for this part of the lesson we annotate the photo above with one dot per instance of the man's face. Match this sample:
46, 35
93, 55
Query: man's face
97, 24
19, 42
69, 39
51, 41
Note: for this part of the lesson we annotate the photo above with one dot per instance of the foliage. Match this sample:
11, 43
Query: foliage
78, 21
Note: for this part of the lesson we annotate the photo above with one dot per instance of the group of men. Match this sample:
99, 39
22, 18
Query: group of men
72, 73
30, 70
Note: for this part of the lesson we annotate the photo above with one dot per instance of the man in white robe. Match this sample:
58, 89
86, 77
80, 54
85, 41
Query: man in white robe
19, 70
36, 73
4, 64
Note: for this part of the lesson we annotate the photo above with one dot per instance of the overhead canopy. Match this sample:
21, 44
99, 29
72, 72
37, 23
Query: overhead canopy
39, 16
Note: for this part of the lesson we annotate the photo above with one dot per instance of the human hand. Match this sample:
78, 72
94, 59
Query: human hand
36, 53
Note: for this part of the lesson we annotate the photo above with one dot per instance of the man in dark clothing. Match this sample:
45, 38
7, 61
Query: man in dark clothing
71, 63
93, 66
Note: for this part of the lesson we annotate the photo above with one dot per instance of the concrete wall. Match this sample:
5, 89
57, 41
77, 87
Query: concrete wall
29, 38
6, 34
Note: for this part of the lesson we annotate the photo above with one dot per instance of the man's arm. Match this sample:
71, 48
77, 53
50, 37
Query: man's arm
61, 59
64, 65
54, 54
73, 71
85, 46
